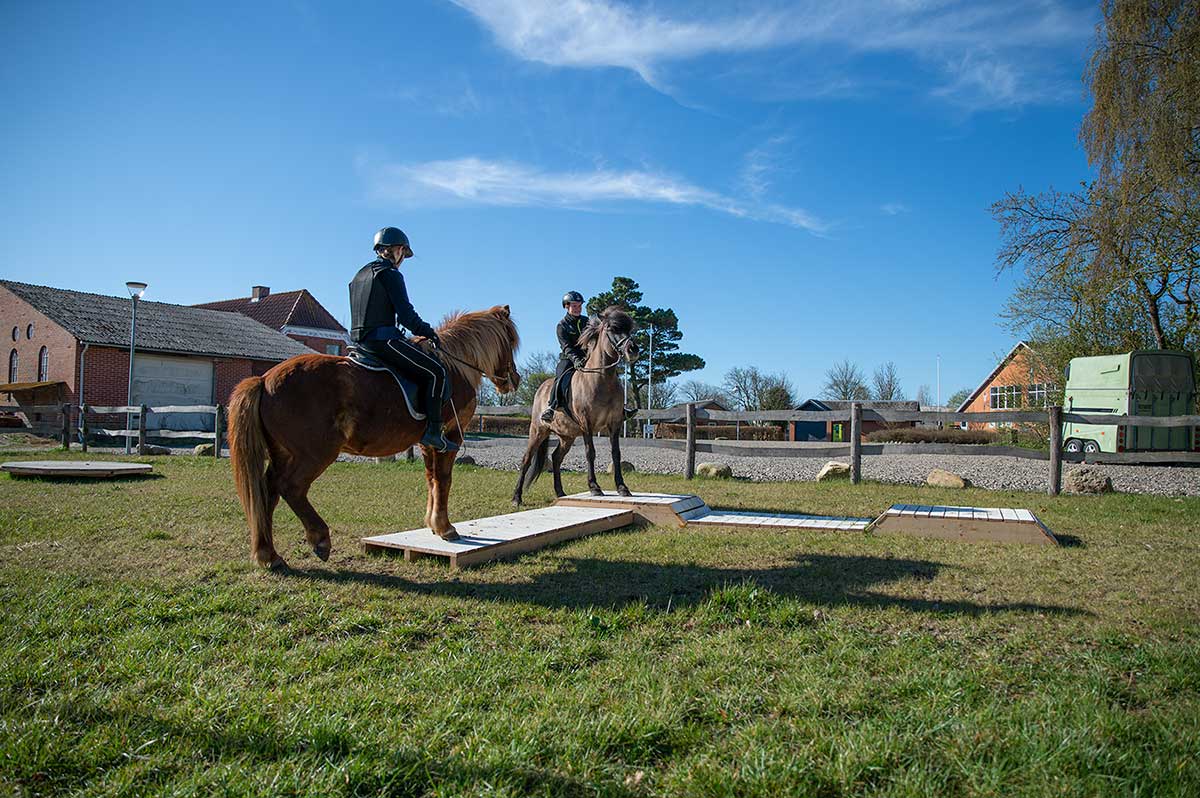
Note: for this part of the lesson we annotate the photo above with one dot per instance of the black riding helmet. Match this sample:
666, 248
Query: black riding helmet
570, 296
390, 237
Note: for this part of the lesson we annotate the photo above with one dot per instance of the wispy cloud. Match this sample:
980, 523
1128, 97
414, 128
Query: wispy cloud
611, 33
507, 183
894, 208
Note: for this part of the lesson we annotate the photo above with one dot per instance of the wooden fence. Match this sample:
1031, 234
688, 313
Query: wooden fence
142, 433
856, 414
59, 427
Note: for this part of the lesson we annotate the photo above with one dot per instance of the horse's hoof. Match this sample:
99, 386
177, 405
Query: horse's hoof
449, 534
624, 491
516, 503
322, 550
277, 565
596, 492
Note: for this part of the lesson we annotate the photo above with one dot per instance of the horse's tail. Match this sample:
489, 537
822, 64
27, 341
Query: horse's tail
248, 455
538, 464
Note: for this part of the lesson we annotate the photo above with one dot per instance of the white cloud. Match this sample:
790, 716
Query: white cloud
477, 181
612, 33
894, 208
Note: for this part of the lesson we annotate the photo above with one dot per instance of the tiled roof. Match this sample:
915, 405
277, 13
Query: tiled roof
297, 308
161, 327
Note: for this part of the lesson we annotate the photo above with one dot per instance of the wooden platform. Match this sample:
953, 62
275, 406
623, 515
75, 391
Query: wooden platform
990, 524
74, 468
487, 539
670, 509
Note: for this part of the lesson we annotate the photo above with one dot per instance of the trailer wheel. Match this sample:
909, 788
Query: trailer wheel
1091, 447
1073, 445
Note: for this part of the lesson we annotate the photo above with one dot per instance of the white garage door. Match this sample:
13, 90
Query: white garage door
163, 380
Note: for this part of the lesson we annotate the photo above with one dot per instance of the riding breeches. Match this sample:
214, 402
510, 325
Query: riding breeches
422, 368
561, 372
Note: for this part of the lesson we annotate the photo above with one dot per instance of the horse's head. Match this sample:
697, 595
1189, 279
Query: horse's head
612, 330
507, 378
483, 342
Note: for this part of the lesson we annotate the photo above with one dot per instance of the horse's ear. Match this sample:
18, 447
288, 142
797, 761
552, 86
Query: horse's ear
502, 311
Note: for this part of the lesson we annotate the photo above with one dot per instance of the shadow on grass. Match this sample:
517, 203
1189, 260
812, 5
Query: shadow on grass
71, 480
825, 579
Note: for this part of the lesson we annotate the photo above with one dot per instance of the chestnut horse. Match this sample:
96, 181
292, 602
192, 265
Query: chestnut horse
288, 425
597, 406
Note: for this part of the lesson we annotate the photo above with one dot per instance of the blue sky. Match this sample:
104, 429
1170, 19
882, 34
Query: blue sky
801, 181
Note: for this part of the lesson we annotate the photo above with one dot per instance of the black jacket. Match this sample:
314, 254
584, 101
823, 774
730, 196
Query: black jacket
569, 330
378, 298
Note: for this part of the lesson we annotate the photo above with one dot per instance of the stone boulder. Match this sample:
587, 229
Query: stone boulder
1086, 479
150, 449
203, 450
941, 478
714, 471
465, 459
833, 470
626, 467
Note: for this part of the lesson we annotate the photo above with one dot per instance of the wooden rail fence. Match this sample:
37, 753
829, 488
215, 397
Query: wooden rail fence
142, 433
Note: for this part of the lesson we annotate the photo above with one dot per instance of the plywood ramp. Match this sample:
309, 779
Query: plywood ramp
990, 524
660, 509
487, 539
670, 509
75, 468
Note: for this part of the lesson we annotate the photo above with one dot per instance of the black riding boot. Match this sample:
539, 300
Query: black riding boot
433, 437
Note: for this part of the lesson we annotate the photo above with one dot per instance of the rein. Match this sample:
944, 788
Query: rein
616, 346
442, 351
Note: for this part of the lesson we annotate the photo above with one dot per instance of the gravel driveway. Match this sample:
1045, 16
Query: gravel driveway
994, 473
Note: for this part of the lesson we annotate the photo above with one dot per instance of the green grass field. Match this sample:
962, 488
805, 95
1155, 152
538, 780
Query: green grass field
143, 654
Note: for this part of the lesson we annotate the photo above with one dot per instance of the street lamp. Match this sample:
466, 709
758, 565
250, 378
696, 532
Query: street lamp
136, 290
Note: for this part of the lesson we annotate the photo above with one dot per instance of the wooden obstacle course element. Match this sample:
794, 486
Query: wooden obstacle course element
75, 468
972, 524
669, 509
487, 539
659, 509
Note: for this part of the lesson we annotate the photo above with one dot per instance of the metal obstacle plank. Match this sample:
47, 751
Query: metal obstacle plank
486, 539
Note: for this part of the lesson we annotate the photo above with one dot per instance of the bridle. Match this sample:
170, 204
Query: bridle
618, 345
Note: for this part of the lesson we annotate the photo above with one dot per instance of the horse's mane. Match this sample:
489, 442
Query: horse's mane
620, 322
477, 337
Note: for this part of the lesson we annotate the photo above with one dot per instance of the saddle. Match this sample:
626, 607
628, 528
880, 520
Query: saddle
408, 389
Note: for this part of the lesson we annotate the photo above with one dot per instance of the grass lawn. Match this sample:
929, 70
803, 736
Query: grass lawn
143, 653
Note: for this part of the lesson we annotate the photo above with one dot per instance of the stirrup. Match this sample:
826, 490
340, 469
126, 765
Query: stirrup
548, 416
436, 440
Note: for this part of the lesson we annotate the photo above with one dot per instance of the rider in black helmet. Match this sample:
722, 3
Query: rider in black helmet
378, 300
572, 357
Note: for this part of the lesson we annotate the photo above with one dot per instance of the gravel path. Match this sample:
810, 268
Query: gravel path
993, 473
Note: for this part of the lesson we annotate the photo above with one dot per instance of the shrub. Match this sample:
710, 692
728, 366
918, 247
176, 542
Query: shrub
708, 432
500, 425
927, 435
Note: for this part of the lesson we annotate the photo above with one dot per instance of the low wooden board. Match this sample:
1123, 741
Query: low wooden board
487, 539
660, 509
988, 524
74, 468
780, 520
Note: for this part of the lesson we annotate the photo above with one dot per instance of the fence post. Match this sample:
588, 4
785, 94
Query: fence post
855, 443
66, 426
1055, 449
689, 469
217, 414
142, 431
83, 427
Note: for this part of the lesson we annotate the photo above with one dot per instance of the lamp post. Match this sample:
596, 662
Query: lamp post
136, 290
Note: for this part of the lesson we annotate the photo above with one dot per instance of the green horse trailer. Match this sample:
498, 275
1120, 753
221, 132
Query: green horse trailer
1147, 383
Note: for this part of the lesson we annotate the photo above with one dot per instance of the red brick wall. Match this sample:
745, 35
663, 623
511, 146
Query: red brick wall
229, 374
319, 344
1018, 371
60, 344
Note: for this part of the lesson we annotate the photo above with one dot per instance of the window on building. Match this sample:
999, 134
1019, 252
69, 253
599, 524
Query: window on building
16, 333
29, 331
333, 349
43, 364
1006, 397
12, 365
1037, 394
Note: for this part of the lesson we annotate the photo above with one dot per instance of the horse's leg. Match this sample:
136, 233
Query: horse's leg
430, 485
560, 453
590, 449
443, 471
618, 477
294, 483
264, 548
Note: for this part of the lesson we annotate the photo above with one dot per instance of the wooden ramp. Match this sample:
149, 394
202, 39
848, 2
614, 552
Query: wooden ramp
487, 539
75, 468
990, 524
669, 509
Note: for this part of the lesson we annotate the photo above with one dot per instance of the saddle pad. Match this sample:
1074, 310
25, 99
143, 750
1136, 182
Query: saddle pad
408, 388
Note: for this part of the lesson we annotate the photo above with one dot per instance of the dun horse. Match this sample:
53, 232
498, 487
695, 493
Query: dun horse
288, 425
597, 406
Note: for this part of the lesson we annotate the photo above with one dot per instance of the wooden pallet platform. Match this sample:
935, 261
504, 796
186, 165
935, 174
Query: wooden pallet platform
988, 524
74, 468
670, 509
487, 539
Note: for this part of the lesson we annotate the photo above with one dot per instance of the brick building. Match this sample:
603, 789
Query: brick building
296, 314
1017, 382
73, 347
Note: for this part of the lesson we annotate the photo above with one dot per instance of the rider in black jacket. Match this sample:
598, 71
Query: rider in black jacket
378, 299
572, 357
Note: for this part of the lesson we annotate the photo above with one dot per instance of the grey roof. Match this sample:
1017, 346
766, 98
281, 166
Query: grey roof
161, 327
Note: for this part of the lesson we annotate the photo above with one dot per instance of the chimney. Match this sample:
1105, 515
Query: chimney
258, 292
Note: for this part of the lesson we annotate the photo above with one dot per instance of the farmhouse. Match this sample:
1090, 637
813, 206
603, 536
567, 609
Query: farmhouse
837, 431
1017, 381
296, 314
73, 347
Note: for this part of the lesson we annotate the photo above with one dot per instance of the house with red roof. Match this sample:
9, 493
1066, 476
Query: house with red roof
296, 314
